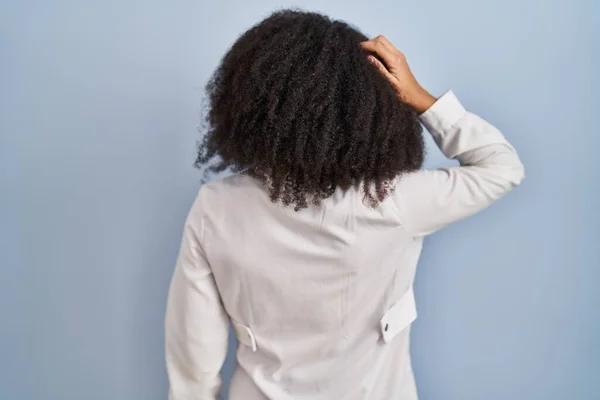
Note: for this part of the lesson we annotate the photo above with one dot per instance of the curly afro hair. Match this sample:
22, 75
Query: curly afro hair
296, 104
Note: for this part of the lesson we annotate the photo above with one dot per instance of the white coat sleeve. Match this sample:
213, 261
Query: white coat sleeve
196, 324
429, 200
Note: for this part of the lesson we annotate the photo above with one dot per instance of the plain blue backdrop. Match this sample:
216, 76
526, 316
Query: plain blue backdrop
99, 107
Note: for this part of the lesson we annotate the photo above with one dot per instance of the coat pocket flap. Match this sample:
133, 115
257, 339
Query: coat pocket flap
399, 316
244, 335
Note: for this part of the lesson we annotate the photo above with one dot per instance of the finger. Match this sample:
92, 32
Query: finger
379, 65
380, 50
386, 42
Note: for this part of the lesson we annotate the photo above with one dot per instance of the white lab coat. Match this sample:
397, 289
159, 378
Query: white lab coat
321, 300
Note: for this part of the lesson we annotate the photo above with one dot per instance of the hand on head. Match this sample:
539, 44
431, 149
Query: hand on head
392, 64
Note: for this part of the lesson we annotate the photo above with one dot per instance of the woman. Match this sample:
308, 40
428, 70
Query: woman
310, 248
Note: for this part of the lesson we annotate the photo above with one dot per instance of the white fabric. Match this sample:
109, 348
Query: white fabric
321, 300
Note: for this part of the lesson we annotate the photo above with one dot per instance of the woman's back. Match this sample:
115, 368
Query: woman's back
306, 291
321, 298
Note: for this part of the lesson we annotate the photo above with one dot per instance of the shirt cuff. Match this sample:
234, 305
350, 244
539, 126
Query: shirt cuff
443, 115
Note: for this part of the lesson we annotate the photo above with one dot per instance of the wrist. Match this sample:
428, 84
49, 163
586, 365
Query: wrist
420, 100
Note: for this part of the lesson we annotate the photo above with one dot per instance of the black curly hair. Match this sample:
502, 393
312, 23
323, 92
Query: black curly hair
296, 104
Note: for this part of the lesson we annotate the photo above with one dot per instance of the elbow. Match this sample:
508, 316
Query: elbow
515, 170
517, 174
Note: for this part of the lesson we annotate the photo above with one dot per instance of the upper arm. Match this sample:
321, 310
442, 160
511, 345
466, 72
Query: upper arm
432, 199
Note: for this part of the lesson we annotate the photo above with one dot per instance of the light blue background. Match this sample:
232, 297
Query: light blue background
98, 112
